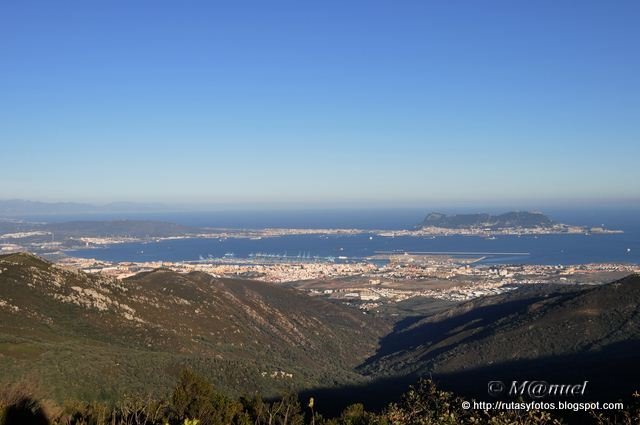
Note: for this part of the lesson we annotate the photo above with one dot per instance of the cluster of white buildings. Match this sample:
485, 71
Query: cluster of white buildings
370, 284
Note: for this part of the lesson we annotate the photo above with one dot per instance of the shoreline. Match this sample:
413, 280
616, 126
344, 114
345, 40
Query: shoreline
258, 234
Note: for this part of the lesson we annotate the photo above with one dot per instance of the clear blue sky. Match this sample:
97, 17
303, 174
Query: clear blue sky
331, 102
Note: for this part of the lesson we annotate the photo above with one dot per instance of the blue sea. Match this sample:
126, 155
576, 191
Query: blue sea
543, 249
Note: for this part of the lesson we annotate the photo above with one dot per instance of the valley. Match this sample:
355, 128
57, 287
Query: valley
94, 336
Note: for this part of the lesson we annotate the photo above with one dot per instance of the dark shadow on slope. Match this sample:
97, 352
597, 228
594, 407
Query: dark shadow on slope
476, 323
375, 395
612, 372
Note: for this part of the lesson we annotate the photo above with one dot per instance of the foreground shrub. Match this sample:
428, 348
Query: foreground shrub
24, 411
286, 411
425, 404
194, 397
630, 416
195, 401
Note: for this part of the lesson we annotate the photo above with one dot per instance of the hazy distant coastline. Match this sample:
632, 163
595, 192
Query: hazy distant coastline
18, 235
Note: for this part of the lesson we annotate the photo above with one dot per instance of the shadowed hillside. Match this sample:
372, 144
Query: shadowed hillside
535, 334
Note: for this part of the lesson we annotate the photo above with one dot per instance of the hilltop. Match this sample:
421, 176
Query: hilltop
91, 337
512, 219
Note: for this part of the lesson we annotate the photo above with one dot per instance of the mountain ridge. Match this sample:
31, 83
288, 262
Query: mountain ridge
523, 219
106, 336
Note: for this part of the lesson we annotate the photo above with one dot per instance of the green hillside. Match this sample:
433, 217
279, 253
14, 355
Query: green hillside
90, 337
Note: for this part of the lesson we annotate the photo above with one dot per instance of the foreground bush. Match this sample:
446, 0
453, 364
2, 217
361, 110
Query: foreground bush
195, 401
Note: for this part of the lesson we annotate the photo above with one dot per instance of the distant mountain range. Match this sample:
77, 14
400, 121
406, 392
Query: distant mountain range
20, 207
68, 233
512, 219
131, 228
